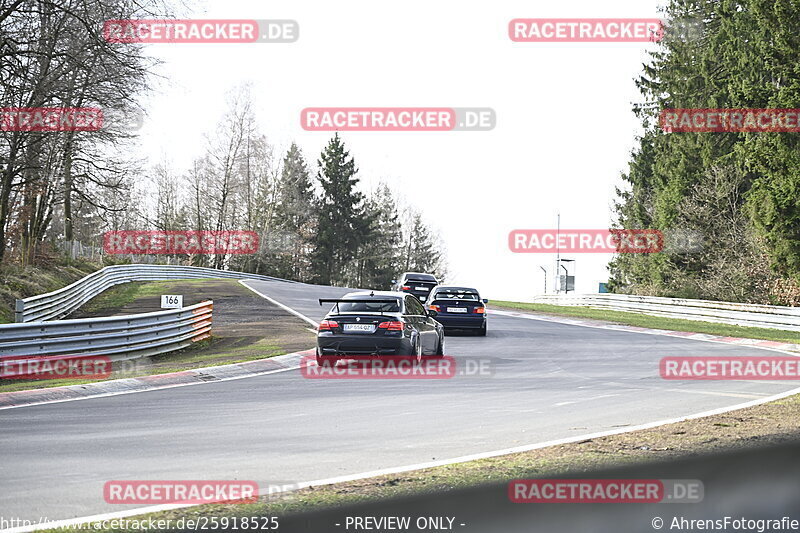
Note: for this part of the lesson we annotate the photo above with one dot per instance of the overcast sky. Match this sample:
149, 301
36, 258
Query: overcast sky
564, 123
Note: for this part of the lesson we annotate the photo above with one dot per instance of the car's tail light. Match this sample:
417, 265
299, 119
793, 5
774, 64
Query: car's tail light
327, 325
434, 308
405, 288
479, 310
394, 325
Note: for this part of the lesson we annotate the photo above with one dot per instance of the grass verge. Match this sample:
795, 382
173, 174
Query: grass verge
121, 296
654, 322
178, 361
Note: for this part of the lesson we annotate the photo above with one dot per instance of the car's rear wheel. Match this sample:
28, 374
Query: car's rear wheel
482, 331
440, 348
418, 352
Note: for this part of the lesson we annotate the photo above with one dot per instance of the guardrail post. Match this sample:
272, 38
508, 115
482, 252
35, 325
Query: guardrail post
19, 308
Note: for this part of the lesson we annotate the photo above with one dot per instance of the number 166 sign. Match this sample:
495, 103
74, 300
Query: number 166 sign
171, 301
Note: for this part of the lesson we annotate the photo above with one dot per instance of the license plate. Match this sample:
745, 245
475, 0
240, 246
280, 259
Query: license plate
456, 309
361, 328
422, 288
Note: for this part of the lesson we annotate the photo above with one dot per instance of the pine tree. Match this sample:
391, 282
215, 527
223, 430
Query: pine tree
423, 250
740, 54
380, 259
342, 222
294, 217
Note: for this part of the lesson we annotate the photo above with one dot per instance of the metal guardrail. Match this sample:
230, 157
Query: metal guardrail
752, 315
119, 337
60, 303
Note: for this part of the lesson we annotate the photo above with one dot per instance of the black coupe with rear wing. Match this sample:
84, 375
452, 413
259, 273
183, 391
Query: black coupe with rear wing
378, 323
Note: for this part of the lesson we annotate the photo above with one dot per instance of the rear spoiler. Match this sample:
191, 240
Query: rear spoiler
337, 301
359, 300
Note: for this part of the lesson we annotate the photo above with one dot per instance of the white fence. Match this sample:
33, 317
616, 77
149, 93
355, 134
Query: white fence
752, 315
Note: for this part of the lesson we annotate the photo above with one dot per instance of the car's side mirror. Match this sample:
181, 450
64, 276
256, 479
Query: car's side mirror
485, 301
432, 313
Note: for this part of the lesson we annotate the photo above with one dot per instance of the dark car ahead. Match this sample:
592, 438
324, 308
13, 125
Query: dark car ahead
459, 308
417, 283
377, 323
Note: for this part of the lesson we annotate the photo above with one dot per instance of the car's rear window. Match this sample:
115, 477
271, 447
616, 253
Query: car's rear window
368, 307
457, 295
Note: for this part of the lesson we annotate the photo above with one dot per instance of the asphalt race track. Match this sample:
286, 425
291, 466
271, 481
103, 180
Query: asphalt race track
549, 381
